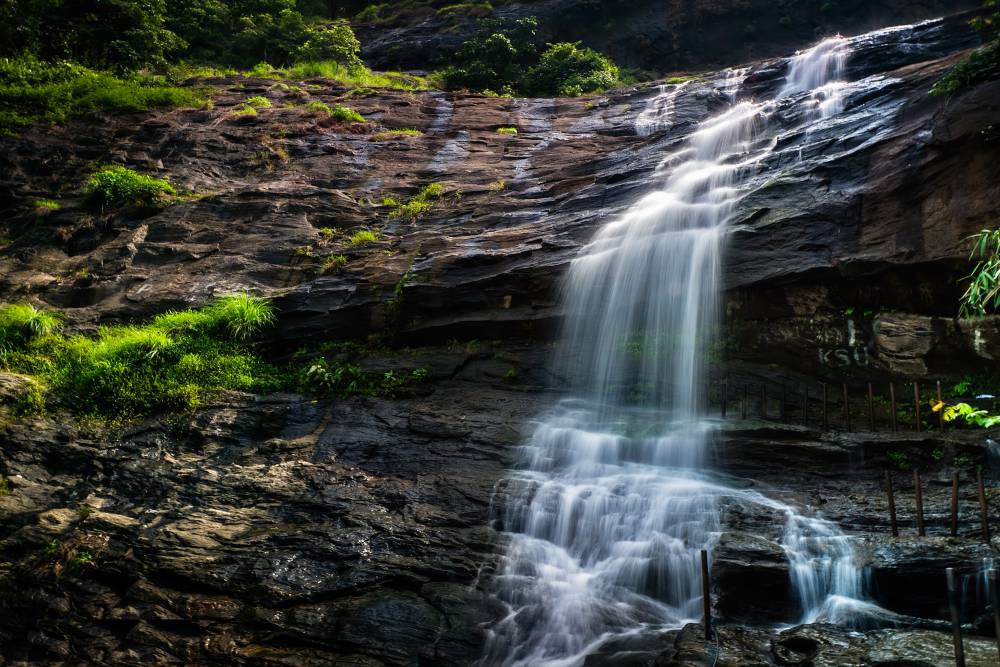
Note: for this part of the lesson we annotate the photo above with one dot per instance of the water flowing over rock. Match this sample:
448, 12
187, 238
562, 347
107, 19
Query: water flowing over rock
539, 498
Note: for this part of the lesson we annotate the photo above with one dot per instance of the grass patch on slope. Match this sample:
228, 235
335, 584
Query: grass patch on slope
32, 91
130, 371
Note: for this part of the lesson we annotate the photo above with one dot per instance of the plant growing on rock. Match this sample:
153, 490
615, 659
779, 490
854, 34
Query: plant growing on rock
509, 131
971, 415
981, 65
346, 379
396, 134
566, 69
347, 115
115, 185
363, 237
983, 292
258, 102
422, 202
334, 263
334, 41
168, 364
22, 322
47, 205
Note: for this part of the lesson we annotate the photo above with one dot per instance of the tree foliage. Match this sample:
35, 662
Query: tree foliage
503, 57
983, 292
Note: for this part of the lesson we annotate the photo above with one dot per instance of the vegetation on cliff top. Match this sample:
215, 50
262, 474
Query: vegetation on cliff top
980, 65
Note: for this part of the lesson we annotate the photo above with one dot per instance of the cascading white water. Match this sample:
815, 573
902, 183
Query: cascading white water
612, 502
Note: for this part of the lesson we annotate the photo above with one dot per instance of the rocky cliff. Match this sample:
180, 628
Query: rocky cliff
279, 530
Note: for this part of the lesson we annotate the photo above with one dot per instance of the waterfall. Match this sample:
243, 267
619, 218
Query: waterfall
612, 501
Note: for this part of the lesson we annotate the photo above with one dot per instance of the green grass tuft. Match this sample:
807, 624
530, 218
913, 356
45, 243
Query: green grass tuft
115, 185
22, 322
397, 134
48, 204
509, 131
347, 114
363, 237
258, 102
334, 263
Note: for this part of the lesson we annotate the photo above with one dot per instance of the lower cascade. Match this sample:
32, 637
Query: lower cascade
614, 499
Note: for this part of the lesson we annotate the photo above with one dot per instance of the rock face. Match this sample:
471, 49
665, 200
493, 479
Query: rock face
278, 530
656, 35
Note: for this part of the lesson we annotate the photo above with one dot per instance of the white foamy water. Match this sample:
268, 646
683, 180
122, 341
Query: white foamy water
612, 501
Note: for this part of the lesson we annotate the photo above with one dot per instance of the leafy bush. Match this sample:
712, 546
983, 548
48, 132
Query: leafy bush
503, 58
32, 91
980, 65
567, 70
346, 379
983, 293
971, 415
115, 185
335, 41
496, 57
127, 371
124, 35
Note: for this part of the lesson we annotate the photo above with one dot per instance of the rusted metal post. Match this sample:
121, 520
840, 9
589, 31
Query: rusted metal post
847, 410
941, 411
892, 404
892, 504
725, 397
984, 508
706, 593
993, 578
871, 408
954, 504
956, 621
916, 406
918, 490
784, 403
746, 401
826, 419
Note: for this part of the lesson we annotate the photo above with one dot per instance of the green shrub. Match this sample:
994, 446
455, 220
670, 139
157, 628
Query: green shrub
510, 131
370, 14
983, 293
363, 237
981, 65
566, 69
258, 102
48, 204
32, 91
347, 114
115, 185
335, 41
496, 57
124, 35
131, 371
346, 379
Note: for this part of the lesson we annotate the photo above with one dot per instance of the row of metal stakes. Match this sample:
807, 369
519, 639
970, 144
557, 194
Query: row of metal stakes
993, 580
984, 510
744, 404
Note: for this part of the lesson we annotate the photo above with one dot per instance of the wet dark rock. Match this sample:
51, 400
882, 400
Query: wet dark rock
750, 578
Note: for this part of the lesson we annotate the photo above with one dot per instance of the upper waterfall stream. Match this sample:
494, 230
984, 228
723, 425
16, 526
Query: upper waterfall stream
613, 499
